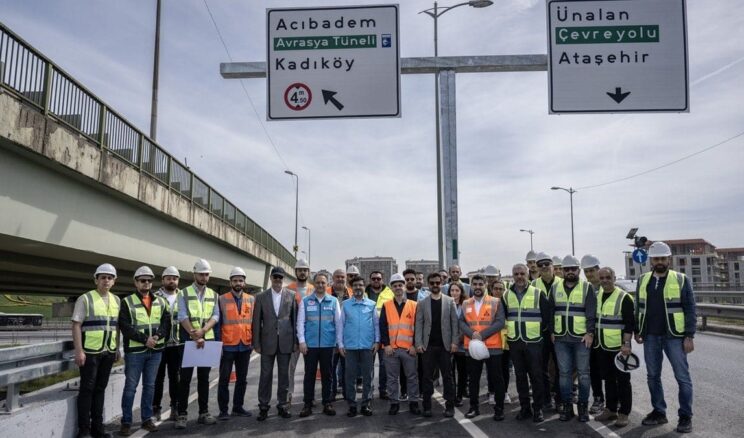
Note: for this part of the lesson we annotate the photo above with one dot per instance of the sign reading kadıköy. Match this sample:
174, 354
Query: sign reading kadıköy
617, 56
333, 62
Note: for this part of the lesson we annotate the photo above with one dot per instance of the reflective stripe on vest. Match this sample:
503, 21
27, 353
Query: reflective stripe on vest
144, 323
523, 318
540, 284
570, 311
236, 326
99, 326
199, 312
610, 320
400, 328
173, 338
675, 316
479, 321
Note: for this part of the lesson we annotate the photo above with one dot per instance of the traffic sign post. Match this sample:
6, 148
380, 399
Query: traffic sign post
337, 62
617, 56
640, 256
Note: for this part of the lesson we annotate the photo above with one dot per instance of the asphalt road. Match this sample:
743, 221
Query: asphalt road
715, 367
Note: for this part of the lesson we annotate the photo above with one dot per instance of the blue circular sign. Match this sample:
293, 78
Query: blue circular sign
640, 256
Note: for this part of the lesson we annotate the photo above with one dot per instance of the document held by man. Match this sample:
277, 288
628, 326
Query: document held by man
209, 356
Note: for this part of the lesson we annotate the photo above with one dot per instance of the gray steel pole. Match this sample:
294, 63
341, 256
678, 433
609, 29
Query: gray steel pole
297, 207
155, 78
571, 191
440, 204
309, 244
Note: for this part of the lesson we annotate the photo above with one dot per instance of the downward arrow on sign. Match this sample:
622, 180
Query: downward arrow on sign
618, 96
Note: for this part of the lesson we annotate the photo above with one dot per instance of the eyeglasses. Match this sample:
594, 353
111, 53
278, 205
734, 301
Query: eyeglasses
277, 277
543, 264
571, 268
376, 278
605, 278
145, 280
410, 279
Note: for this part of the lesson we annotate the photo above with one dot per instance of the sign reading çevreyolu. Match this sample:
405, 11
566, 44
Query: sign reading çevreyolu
335, 62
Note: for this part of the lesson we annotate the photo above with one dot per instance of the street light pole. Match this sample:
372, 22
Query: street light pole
309, 247
155, 78
297, 207
570, 192
531, 233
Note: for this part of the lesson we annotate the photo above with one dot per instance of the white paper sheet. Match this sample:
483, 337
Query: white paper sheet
209, 356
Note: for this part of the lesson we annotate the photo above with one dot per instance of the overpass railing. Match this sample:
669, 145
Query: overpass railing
721, 311
34, 78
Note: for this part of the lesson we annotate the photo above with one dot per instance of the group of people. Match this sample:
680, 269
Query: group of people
548, 323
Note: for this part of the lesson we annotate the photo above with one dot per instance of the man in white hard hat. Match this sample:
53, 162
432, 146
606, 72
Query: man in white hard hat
558, 266
96, 339
198, 313
666, 323
575, 314
544, 283
482, 319
352, 272
144, 322
590, 266
236, 334
302, 288
170, 360
531, 260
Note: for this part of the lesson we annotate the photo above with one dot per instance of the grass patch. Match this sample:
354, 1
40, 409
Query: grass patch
10, 303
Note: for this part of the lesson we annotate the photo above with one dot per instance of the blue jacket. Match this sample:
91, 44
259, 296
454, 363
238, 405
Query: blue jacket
320, 321
361, 326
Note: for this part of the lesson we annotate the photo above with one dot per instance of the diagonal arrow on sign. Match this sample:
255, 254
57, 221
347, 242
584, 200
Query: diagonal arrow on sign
618, 96
328, 97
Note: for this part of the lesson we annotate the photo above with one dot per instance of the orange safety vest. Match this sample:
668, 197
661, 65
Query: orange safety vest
349, 292
400, 328
480, 321
293, 286
236, 327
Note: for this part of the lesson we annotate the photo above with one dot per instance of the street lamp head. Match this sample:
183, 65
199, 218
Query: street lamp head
305, 228
555, 188
289, 172
480, 3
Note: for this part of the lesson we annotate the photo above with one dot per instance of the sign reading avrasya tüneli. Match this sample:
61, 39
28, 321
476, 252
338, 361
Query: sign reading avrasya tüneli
617, 56
335, 62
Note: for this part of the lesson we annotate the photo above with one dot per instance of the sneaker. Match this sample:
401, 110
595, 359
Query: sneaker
206, 418
240, 412
507, 399
125, 429
150, 426
684, 425
223, 416
597, 406
622, 420
472, 413
655, 418
181, 422
606, 415
403, 397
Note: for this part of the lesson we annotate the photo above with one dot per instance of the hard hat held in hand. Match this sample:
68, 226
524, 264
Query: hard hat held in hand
478, 350
627, 363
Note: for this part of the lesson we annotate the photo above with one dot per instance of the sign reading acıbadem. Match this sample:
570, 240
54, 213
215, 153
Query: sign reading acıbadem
335, 62
617, 56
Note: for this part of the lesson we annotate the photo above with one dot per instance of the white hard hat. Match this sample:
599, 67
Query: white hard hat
531, 256
302, 264
542, 256
570, 262
106, 268
628, 363
237, 271
491, 271
589, 261
397, 277
353, 270
659, 249
557, 261
143, 271
478, 350
202, 267
171, 271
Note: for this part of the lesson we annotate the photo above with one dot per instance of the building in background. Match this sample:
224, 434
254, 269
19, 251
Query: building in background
425, 266
387, 265
733, 262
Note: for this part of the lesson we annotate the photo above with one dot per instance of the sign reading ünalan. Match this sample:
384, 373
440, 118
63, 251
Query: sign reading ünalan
617, 56
335, 62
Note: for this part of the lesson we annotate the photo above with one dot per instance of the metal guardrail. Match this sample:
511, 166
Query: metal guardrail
30, 75
719, 297
719, 311
29, 362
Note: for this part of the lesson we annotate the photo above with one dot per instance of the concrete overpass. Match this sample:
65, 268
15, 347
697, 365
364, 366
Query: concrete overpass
80, 185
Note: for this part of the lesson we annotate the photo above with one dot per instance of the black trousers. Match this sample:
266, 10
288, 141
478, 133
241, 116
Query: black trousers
505, 361
94, 377
240, 360
618, 390
595, 374
460, 373
171, 361
324, 357
184, 387
437, 358
527, 360
493, 371
549, 360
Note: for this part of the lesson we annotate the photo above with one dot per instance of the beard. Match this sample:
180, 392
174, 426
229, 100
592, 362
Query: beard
660, 269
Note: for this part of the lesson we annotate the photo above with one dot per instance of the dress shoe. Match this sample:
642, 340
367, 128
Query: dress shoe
472, 413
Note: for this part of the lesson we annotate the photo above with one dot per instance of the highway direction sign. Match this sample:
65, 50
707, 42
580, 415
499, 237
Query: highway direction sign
335, 62
617, 56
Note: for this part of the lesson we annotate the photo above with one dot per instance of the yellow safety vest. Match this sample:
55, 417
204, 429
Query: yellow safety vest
199, 312
523, 318
142, 322
173, 339
610, 320
570, 310
675, 315
99, 326
540, 284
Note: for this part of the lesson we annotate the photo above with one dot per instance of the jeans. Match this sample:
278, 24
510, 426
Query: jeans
437, 358
170, 361
653, 348
94, 377
241, 360
146, 365
527, 359
573, 355
313, 358
359, 363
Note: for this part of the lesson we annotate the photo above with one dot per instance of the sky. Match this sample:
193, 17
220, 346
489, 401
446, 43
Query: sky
368, 187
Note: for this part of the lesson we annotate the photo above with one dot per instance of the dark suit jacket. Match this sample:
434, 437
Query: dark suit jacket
450, 328
272, 334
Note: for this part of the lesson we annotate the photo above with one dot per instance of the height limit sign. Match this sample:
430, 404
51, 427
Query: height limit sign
337, 62
617, 56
